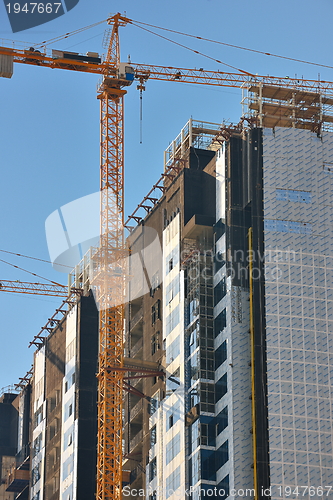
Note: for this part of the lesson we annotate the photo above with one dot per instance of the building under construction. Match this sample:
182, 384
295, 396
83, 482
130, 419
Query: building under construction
228, 325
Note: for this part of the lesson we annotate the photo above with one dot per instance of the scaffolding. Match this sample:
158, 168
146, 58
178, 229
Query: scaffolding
272, 106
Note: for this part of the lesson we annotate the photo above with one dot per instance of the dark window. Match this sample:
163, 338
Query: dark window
220, 354
222, 455
207, 364
66, 386
220, 322
153, 436
152, 469
37, 445
70, 410
219, 229
219, 261
35, 473
155, 312
223, 488
170, 265
155, 343
221, 420
208, 468
221, 388
219, 291
207, 434
207, 401
155, 283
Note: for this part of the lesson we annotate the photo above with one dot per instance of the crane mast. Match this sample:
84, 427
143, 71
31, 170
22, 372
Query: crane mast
110, 277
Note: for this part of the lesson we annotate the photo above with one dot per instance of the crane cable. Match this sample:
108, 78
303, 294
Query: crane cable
30, 272
34, 258
232, 45
70, 33
193, 50
137, 23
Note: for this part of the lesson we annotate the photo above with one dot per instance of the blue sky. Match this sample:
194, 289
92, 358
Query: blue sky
49, 126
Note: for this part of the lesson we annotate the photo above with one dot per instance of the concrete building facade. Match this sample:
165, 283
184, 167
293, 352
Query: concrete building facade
242, 312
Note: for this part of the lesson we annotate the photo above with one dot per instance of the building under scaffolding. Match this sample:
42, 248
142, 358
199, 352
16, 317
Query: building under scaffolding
240, 315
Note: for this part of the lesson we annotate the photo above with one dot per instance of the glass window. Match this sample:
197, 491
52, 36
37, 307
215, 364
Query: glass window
172, 320
219, 260
208, 467
221, 388
223, 488
173, 382
172, 448
68, 466
156, 312
68, 438
37, 446
172, 259
153, 436
221, 420
173, 350
35, 473
193, 309
207, 434
219, 291
195, 435
207, 364
220, 354
194, 366
220, 322
222, 455
207, 400
155, 343
172, 290
152, 469
173, 415
155, 283
38, 417
173, 482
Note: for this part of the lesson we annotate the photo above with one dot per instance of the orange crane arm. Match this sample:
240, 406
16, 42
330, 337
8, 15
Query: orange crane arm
165, 73
33, 288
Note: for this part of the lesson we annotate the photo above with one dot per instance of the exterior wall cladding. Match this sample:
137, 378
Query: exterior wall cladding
246, 401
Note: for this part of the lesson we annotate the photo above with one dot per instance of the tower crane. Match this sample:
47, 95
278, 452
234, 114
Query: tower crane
109, 282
